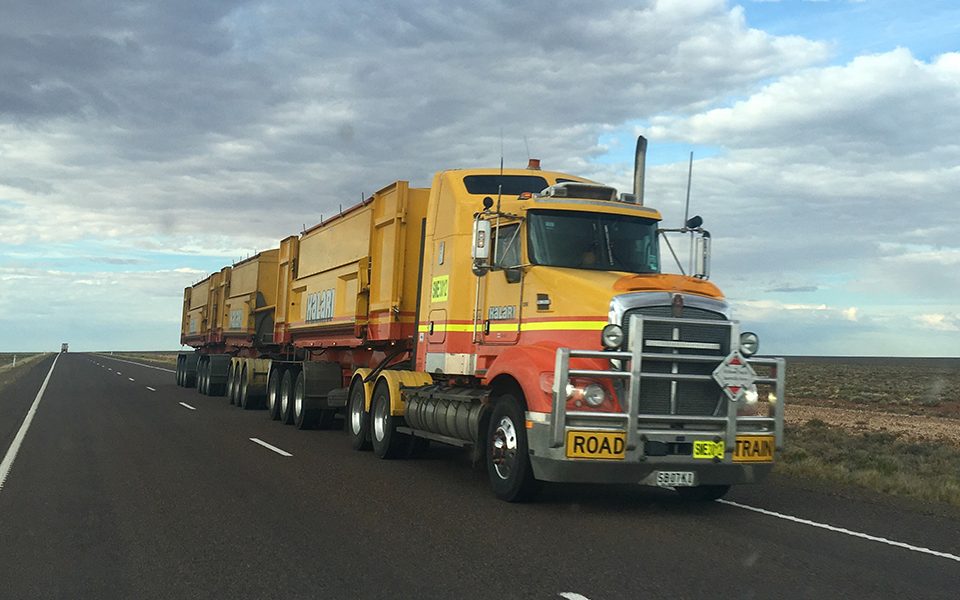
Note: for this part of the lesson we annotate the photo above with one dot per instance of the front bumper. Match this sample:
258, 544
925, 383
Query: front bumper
552, 464
654, 442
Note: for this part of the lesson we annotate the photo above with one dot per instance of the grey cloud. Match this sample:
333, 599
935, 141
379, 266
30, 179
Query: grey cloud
793, 288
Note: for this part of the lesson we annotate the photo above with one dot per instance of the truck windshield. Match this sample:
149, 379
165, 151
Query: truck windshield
597, 241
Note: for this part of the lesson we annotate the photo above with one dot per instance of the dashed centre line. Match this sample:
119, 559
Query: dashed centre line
131, 378
185, 405
151, 389
269, 447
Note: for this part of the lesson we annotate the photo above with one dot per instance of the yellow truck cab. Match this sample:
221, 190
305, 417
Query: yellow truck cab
546, 291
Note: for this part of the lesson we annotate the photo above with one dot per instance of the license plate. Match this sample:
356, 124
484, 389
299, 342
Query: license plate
676, 478
754, 448
603, 445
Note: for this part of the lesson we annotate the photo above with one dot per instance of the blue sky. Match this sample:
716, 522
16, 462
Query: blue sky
141, 150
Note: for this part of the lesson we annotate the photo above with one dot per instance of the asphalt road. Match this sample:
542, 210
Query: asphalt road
118, 491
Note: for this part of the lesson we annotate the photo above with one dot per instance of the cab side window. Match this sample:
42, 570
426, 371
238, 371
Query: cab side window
507, 245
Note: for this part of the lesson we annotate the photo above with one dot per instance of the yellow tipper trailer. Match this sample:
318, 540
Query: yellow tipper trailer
353, 279
251, 300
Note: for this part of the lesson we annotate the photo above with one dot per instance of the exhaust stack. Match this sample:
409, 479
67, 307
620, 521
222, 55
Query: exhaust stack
639, 167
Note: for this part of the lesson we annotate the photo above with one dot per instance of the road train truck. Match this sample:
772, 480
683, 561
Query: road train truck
519, 312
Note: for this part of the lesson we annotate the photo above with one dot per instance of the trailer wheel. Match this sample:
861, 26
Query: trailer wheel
358, 420
508, 456
202, 377
387, 441
243, 393
273, 393
286, 397
231, 380
303, 416
703, 493
179, 371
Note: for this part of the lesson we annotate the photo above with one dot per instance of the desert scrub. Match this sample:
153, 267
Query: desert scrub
879, 461
886, 384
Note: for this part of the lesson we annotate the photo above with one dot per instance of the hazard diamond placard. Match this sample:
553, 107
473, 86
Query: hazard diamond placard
734, 375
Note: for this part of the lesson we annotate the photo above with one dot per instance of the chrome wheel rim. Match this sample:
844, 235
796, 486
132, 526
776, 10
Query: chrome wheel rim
504, 448
272, 396
380, 419
356, 415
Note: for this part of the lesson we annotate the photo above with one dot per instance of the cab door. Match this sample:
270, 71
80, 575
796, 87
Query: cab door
502, 289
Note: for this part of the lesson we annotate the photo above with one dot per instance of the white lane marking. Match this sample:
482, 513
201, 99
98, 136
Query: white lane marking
185, 405
573, 596
7, 463
119, 373
151, 389
131, 378
857, 534
141, 364
274, 448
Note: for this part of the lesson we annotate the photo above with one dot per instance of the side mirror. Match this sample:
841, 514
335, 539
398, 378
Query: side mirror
702, 257
513, 274
481, 240
694, 222
480, 250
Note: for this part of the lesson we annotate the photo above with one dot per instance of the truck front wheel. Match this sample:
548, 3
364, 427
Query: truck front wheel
508, 456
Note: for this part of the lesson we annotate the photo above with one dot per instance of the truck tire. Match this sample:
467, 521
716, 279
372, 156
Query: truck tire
358, 419
202, 378
304, 417
273, 393
244, 398
703, 493
286, 397
179, 372
387, 441
231, 383
508, 456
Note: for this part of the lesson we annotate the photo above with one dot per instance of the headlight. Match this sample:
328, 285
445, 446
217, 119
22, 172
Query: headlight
612, 336
749, 343
593, 395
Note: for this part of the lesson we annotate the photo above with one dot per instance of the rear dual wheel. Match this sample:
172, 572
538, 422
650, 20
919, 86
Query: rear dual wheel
231, 384
273, 393
358, 419
202, 377
244, 398
387, 441
287, 383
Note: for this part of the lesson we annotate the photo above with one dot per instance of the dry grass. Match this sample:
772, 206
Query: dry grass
928, 386
886, 424
883, 462
10, 373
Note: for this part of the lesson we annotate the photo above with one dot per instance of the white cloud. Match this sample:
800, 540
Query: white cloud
940, 322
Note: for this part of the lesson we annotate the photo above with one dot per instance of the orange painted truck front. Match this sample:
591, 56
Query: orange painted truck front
524, 314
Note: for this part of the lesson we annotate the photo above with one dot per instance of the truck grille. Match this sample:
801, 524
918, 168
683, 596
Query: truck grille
663, 397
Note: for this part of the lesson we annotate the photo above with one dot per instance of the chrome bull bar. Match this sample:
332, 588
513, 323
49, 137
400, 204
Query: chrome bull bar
729, 426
